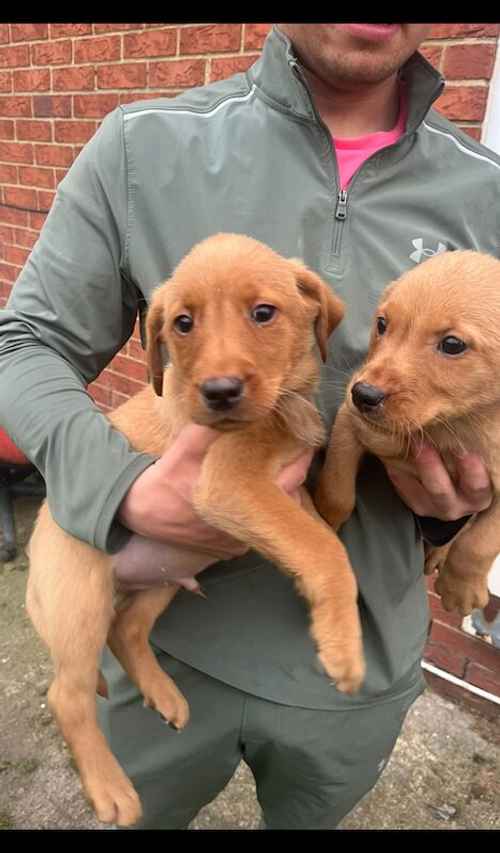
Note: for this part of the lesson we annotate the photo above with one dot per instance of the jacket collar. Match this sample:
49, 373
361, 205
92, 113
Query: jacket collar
277, 75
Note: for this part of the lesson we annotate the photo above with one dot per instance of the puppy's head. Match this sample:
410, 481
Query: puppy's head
434, 353
240, 324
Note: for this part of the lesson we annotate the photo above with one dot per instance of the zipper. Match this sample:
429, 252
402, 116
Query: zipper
340, 209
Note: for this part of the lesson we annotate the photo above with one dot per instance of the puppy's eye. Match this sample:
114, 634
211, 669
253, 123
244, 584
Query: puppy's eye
183, 323
381, 325
263, 313
450, 345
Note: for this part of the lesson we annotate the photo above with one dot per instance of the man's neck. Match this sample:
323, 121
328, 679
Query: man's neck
356, 111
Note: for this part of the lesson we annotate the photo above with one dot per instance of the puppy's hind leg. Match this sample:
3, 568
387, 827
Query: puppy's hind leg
70, 603
128, 639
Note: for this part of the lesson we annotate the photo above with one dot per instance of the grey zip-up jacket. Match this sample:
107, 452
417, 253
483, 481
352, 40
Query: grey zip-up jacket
248, 154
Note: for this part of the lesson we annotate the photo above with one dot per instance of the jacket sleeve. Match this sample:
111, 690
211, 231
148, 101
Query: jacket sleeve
70, 311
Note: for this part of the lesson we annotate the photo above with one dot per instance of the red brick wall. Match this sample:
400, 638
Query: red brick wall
57, 82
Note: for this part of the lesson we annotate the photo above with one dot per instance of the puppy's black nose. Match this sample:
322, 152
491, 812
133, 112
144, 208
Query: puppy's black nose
366, 397
221, 393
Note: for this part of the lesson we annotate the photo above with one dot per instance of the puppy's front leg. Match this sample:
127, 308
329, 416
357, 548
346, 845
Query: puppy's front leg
335, 495
463, 579
259, 513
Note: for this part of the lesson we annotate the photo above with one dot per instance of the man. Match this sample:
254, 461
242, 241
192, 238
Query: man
257, 154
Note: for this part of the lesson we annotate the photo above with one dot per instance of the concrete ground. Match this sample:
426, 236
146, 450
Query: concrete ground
443, 774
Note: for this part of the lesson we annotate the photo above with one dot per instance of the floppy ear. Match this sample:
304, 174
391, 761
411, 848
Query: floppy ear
330, 309
154, 325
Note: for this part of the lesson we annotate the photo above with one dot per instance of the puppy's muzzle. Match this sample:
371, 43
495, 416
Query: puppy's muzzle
367, 398
222, 393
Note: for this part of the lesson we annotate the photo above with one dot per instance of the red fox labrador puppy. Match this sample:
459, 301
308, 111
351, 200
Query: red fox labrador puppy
242, 326
431, 374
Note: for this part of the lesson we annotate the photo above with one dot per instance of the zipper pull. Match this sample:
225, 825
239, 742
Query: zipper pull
341, 209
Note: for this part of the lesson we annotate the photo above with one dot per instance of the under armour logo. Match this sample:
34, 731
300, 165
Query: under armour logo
424, 253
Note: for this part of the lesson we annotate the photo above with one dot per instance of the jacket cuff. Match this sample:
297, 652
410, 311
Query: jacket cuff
110, 535
436, 532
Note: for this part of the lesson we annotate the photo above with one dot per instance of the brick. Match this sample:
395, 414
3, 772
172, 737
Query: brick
39, 131
60, 175
8, 173
445, 31
473, 648
99, 394
212, 38
117, 399
130, 97
16, 152
484, 678
463, 102
15, 255
445, 658
29, 32
11, 216
54, 155
47, 106
72, 79
74, 131
468, 61
34, 80
45, 199
5, 81
14, 56
6, 129
58, 31
104, 49
7, 234
472, 130
150, 43
9, 272
4, 33
23, 237
135, 350
36, 220
95, 105
433, 54
34, 176
223, 68
52, 53
130, 368
122, 76
112, 28
255, 36
122, 384
179, 73
20, 197
12, 105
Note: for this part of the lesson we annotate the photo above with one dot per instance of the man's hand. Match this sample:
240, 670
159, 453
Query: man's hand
432, 492
159, 506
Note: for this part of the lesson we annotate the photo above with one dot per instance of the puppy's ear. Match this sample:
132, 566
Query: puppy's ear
330, 309
154, 326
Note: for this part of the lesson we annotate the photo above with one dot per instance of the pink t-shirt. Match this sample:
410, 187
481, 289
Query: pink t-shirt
351, 153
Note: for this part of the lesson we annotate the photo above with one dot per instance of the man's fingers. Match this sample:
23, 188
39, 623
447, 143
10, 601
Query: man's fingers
410, 490
192, 443
474, 481
293, 475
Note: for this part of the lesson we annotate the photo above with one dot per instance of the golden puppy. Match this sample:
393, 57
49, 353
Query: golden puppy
431, 374
242, 327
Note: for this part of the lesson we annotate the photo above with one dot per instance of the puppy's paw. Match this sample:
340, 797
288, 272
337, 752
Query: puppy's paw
112, 795
334, 513
346, 667
164, 697
462, 594
435, 559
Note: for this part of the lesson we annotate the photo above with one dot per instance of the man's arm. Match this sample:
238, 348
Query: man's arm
70, 311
